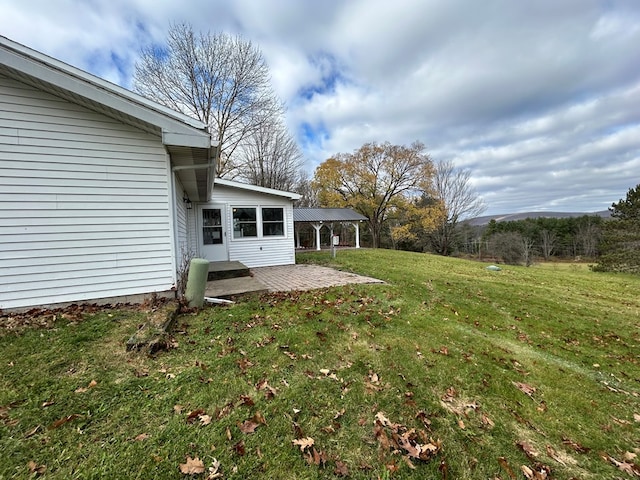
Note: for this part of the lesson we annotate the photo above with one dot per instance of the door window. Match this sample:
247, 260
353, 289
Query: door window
212, 226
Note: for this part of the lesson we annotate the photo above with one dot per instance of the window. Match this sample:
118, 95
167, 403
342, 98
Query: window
244, 223
211, 226
272, 222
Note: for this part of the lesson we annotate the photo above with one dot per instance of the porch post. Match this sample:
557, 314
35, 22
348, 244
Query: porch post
297, 236
357, 234
317, 227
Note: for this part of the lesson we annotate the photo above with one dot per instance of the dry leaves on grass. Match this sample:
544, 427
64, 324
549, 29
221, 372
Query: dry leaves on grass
250, 425
198, 415
311, 455
36, 469
63, 420
626, 465
193, 466
269, 391
91, 384
525, 388
414, 444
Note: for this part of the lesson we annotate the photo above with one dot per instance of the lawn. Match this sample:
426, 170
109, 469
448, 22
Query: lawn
447, 371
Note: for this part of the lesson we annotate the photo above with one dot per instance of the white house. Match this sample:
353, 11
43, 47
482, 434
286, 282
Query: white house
102, 190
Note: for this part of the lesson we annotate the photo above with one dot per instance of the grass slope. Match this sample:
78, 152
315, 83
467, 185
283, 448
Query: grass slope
502, 374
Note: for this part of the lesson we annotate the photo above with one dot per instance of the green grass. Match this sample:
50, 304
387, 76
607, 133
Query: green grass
440, 347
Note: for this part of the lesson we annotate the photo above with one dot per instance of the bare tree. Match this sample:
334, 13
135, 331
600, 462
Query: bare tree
452, 187
271, 157
221, 80
528, 247
548, 242
305, 187
588, 236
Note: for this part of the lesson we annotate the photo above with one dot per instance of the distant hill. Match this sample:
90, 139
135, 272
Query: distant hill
512, 217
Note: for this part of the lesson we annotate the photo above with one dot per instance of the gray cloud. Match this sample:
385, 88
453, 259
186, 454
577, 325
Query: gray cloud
539, 99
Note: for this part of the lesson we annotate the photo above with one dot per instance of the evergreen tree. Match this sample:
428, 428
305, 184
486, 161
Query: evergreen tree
620, 244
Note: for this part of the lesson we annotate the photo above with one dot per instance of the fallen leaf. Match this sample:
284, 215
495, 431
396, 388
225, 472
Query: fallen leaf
524, 388
303, 443
444, 469
239, 448
528, 450
575, 445
248, 426
244, 363
193, 466
35, 468
194, 414
141, 437
629, 468
505, 465
63, 420
461, 424
341, 469
178, 409
552, 454
487, 421
32, 432
226, 410
214, 470
269, 391
291, 355
246, 401
47, 404
204, 419
528, 473
316, 458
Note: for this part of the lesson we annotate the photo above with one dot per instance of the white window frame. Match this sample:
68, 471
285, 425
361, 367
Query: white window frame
259, 223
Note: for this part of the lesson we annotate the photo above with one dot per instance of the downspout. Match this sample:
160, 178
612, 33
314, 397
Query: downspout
174, 218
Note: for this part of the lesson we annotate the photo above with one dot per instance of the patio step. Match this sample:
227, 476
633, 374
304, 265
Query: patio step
234, 287
225, 270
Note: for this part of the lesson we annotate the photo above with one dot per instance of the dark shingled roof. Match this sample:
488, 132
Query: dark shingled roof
326, 215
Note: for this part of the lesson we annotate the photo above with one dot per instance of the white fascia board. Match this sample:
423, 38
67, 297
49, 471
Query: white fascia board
79, 82
255, 188
185, 140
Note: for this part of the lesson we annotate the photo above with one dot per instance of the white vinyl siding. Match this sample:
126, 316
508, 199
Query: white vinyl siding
182, 220
261, 251
84, 203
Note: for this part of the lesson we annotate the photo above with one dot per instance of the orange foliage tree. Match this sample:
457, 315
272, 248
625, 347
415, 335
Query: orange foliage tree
376, 180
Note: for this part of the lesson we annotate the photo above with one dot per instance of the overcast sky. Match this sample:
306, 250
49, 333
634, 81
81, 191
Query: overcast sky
539, 99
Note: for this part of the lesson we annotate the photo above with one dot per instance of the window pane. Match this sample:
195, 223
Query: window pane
272, 215
273, 229
244, 214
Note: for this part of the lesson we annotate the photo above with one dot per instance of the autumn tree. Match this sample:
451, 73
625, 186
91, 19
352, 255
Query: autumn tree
413, 221
452, 186
219, 79
620, 242
374, 180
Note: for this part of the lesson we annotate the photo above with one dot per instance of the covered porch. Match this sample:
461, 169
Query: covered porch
329, 218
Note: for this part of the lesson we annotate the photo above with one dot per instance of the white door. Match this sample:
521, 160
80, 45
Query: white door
213, 239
